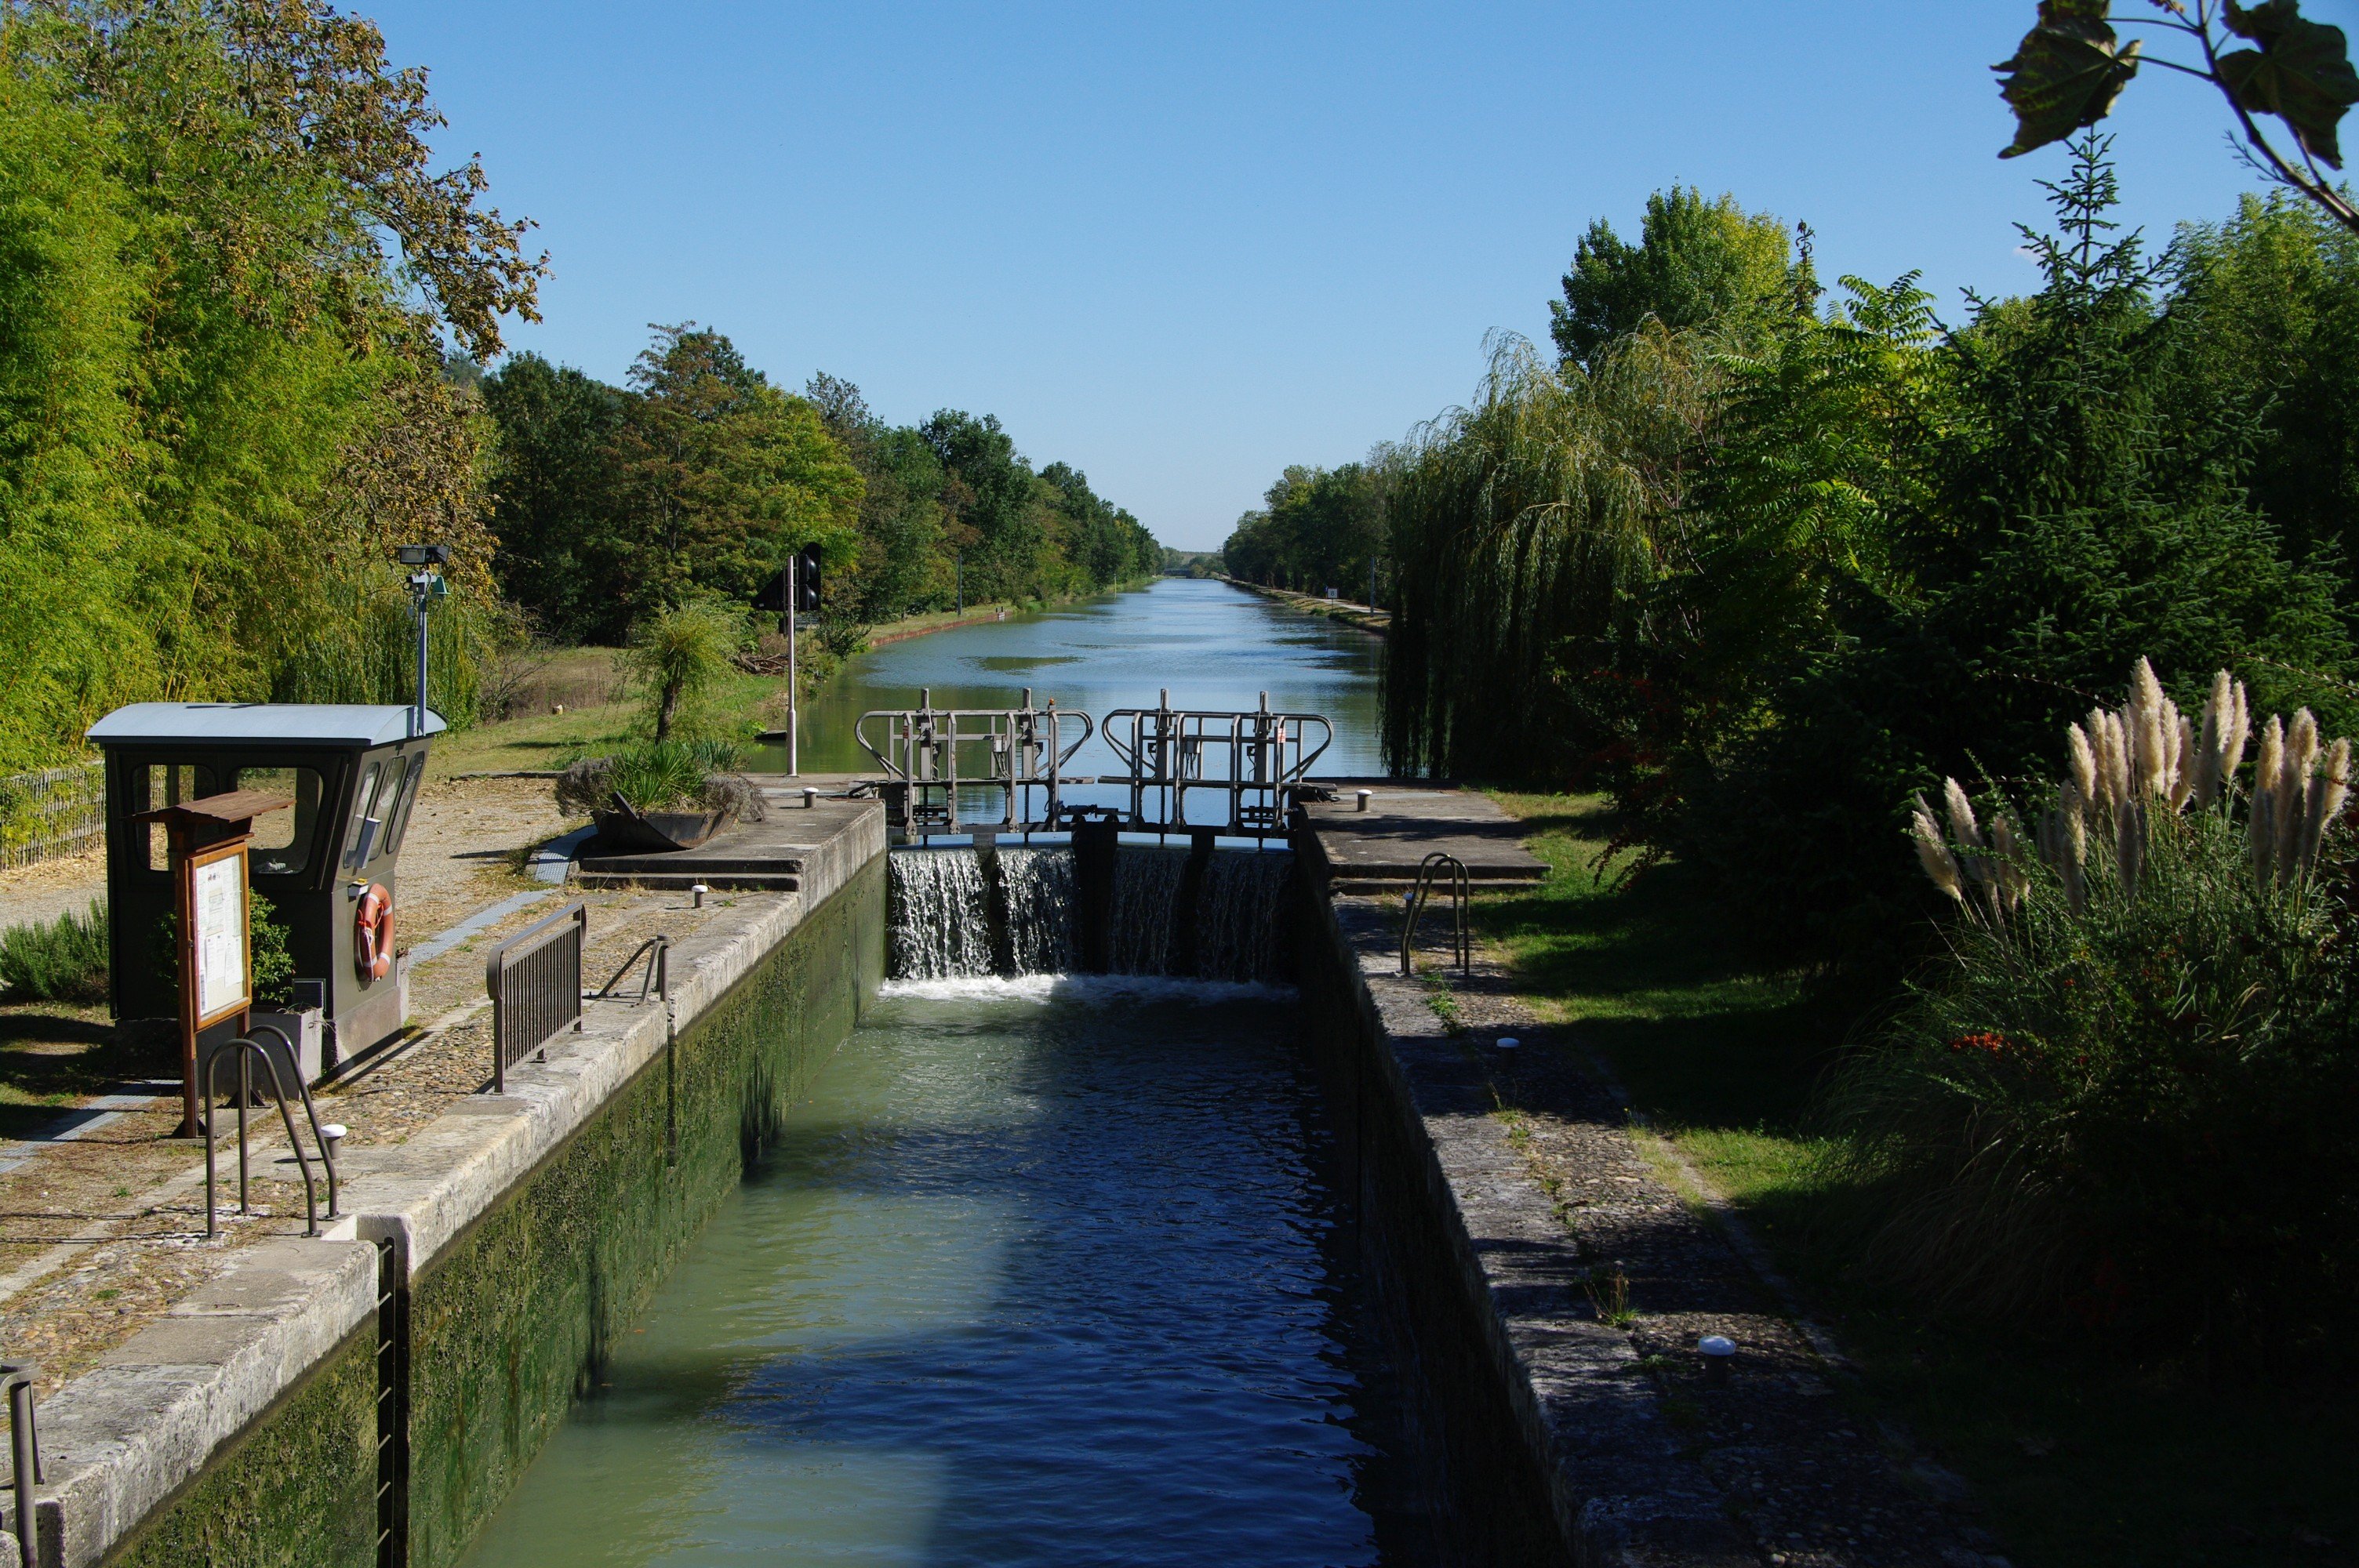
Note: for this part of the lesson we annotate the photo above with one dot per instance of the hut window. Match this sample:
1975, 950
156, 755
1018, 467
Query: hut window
171, 783
282, 840
361, 837
396, 820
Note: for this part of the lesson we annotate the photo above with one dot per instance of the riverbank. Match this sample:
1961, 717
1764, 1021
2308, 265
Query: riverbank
1366, 617
2078, 1458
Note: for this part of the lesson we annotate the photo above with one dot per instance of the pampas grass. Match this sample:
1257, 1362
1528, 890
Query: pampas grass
2124, 1097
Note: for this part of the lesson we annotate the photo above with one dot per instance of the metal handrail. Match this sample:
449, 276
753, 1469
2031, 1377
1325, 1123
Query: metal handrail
657, 950
244, 1048
1462, 899
310, 1113
1270, 756
1025, 749
550, 998
24, 1453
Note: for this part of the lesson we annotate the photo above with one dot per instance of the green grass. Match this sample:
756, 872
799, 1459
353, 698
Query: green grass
2085, 1457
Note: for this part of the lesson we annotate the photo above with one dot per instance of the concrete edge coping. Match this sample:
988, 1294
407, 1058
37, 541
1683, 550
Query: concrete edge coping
124, 1437
119, 1441
1622, 1491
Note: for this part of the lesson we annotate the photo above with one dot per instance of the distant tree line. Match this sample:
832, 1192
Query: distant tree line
698, 477
1318, 528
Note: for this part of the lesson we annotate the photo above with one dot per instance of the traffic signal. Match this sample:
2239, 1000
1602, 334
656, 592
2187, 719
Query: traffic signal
807, 581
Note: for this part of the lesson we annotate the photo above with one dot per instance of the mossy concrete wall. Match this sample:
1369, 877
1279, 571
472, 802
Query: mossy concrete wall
297, 1490
497, 1320
510, 1324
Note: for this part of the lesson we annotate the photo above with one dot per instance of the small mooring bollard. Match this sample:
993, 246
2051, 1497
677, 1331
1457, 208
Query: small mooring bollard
1507, 1043
698, 892
331, 1138
1718, 1350
811, 798
1362, 797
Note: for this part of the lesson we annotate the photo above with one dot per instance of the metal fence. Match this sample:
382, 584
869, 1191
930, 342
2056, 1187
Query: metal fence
1251, 763
1014, 758
57, 811
535, 981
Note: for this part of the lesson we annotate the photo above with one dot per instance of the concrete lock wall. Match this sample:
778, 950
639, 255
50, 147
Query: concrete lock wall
299, 1487
1420, 1262
479, 1352
508, 1327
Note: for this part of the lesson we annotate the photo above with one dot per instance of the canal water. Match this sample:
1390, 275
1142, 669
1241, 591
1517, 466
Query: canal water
1212, 646
1048, 1269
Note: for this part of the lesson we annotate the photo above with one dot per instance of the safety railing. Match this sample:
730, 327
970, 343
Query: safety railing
1253, 763
244, 1051
535, 982
929, 755
25, 1454
1461, 899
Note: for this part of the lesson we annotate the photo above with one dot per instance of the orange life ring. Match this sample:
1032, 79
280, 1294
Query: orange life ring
372, 934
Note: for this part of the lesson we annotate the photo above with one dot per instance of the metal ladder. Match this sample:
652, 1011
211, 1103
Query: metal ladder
1461, 901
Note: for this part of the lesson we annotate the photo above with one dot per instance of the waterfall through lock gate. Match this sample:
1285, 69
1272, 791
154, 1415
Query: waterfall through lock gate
1216, 915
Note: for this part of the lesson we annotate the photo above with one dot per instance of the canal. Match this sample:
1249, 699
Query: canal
1046, 1268
1211, 645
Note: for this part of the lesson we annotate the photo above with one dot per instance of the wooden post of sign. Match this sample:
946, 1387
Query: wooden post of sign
207, 839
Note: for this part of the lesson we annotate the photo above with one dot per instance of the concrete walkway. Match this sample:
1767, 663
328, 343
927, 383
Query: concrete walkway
1379, 848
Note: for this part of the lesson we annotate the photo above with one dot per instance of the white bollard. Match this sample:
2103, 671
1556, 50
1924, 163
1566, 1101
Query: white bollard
811, 797
697, 892
1362, 797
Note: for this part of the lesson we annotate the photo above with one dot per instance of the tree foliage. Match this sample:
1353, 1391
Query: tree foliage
700, 478
1320, 528
1696, 263
1762, 577
2072, 66
228, 263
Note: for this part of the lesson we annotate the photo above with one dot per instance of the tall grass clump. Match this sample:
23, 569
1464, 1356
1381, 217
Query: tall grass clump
2124, 1099
662, 775
62, 960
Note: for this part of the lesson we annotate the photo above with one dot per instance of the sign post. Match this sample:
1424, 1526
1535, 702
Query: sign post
207, 839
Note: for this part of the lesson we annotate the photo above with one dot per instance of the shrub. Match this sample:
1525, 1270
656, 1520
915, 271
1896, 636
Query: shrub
661, 775
2125, 1100
678, 655
64, 960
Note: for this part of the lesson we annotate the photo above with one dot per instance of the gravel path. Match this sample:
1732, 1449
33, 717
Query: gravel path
100, 1234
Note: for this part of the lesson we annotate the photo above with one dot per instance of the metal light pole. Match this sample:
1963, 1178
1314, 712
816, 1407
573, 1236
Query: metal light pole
794, 726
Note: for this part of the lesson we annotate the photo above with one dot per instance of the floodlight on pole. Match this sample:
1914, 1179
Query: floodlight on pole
426, 585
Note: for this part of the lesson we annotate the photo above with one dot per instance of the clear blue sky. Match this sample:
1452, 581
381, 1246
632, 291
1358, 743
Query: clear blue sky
1181, 246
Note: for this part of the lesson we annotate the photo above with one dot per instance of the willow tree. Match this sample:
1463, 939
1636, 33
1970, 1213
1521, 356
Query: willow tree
1533, 528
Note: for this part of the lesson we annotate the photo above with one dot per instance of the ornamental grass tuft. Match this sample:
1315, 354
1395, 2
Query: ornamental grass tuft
2124, 1100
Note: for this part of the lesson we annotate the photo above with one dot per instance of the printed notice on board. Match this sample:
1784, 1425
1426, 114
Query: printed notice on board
220, 935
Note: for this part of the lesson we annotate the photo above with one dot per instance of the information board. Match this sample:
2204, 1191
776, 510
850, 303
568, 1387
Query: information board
219, 904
